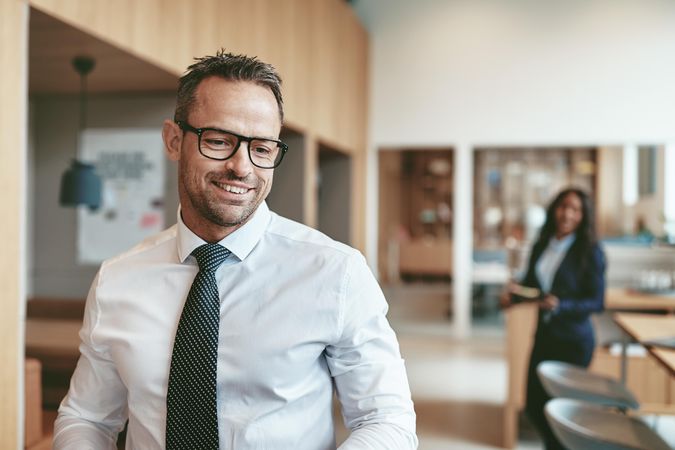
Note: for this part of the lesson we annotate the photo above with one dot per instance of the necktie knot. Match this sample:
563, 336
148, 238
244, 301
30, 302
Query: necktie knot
210, 256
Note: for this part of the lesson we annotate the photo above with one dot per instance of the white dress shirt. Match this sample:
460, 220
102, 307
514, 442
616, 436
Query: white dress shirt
550, 259
299, 313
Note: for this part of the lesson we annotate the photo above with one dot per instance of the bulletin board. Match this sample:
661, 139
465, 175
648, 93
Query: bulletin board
131, 165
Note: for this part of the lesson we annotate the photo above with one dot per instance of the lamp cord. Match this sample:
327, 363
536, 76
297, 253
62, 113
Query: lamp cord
83, 111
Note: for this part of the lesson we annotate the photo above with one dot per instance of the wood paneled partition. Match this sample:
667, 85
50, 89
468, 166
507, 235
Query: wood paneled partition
13, 96
319, 47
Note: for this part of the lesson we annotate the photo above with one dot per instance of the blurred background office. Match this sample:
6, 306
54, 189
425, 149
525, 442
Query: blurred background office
428, 134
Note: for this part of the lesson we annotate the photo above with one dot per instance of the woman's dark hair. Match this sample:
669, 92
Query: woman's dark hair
585, 232
230, 67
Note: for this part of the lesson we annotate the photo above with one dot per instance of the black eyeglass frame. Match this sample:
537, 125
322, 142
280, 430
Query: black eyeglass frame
198, 131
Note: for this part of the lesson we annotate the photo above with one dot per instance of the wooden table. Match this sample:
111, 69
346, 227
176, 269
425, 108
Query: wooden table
626, 299
642, 327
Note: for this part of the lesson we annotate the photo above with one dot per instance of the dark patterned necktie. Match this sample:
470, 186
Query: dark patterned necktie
192, 416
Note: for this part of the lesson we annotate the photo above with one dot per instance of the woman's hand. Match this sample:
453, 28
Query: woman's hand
505, 296
549, 303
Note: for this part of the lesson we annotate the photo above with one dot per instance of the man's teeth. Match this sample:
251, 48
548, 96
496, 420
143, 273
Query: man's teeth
233, 189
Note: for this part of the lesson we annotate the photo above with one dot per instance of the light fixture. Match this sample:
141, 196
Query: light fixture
80, 185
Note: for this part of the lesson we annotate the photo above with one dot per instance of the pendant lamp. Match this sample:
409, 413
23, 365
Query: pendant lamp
80, 185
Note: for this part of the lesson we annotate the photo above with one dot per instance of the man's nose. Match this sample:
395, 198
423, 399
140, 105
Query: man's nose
240, 162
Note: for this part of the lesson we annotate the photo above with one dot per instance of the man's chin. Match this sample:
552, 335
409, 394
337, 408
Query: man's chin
234, 216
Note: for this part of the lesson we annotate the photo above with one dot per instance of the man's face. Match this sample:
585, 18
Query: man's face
217, 197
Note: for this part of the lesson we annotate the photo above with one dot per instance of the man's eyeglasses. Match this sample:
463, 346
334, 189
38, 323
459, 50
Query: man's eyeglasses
221, 145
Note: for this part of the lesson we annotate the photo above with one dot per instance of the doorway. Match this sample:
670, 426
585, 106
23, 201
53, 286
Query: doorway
415, 214
288, 187
335, 194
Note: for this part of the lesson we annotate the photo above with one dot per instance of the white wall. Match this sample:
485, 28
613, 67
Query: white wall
591, 71
479, 72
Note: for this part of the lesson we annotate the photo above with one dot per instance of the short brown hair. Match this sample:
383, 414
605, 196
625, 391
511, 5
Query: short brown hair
229, 67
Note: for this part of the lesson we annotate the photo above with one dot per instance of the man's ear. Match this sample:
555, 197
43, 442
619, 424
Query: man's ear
173, 139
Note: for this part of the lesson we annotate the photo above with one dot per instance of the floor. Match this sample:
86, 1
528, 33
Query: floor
459, 387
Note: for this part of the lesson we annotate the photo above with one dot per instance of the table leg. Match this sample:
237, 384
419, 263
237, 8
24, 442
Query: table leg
624, 357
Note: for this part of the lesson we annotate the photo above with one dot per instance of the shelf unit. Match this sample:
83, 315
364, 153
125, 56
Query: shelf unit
513, 186
415, 212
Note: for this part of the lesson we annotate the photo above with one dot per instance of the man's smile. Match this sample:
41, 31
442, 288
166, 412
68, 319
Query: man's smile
232, 188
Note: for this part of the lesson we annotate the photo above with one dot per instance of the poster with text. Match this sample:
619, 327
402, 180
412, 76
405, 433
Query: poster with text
130, 163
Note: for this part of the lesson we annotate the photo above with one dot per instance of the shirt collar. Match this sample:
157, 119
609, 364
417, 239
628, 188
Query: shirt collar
564, 243
240, 242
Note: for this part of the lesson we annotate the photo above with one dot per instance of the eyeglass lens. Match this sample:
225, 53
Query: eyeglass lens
221, 145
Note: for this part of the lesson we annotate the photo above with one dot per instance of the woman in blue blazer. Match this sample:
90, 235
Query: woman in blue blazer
567, 266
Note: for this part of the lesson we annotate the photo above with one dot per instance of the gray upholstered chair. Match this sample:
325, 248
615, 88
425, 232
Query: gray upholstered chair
568, 381
581, 425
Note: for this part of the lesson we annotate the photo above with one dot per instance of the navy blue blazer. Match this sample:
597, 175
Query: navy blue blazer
580, 287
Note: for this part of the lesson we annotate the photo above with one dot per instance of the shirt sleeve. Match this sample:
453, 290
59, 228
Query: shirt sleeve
366, 365
95, 409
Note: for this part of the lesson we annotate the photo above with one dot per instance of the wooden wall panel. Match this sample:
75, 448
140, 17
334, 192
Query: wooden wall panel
359, 123
260, 28
294, 61
361, 95
133, 26
116, 71
318, 46
206, 36
311, 194
13, 150
343, 67
176, 31
358, 201
325, 70
232, 35
339, 67
143, 36
352, 81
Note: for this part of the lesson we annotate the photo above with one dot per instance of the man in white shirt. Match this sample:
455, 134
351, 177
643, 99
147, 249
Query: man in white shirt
296, 312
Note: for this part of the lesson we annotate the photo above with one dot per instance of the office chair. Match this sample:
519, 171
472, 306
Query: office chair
568, 381
581, 425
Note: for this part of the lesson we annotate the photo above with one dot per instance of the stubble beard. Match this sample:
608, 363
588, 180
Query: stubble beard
215, 211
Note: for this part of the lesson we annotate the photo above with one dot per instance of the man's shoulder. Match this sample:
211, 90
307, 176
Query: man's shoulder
306, 237
158, 246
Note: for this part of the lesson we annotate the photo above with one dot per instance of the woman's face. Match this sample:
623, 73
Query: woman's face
568, 215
